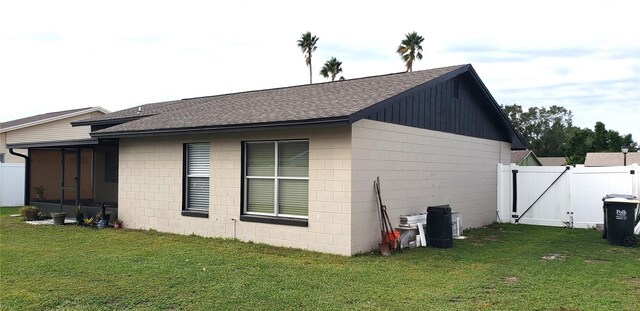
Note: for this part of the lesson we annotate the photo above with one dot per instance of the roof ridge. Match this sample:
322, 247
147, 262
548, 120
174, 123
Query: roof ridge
321, 83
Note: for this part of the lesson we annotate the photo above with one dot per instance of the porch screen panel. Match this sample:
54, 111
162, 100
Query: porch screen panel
197, 178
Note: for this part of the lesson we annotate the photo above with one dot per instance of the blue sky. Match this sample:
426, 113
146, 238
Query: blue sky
56, 55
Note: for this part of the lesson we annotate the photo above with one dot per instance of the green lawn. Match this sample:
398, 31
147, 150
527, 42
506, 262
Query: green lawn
498, 267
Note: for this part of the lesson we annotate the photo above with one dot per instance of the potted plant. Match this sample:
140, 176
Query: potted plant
58, 217
39, 192
30, 213
77, 210
117, 224
88, 222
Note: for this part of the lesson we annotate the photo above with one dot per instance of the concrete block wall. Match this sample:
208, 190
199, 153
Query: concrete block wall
150, 189
420, 168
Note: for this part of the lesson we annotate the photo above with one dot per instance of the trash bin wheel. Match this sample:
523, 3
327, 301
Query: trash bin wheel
629, 241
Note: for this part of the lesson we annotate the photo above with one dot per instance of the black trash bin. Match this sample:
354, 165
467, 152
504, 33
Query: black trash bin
619, 219
439, 233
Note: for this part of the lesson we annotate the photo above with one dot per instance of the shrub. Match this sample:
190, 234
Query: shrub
30, 212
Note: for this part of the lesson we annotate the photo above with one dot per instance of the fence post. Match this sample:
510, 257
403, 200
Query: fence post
499, 194
635, 180
514, 193
1, 185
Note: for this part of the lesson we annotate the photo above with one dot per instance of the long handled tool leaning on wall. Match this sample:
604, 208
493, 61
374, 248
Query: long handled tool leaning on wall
390, 241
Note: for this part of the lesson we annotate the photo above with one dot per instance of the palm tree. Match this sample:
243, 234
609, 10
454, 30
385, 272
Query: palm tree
410, 48
331, 67
307, 44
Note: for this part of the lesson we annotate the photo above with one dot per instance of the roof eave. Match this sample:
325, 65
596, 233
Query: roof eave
225, 128
58, 143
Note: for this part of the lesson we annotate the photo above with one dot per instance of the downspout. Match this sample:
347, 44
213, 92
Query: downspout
27, 174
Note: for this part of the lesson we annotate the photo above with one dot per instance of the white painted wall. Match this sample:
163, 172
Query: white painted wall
575, 198
420, 168
11, 184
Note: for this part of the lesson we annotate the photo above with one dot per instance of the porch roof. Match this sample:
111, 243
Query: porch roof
58, 143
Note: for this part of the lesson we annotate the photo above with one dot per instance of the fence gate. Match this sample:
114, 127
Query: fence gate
560, 196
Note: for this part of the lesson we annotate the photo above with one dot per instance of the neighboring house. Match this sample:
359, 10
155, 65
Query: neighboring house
552, 161
610, 158
295, 166
524, 158
47, 127
47, 139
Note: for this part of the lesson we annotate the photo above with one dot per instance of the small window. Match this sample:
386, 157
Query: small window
1, 157
276, 179
196, 178
111, 166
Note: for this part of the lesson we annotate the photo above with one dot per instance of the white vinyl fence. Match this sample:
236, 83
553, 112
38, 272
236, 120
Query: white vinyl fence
11, 184
561, 196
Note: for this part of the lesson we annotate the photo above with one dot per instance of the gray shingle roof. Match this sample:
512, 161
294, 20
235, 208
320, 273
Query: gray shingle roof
552, 161
518, 155
610, 158
298, 103
39, 117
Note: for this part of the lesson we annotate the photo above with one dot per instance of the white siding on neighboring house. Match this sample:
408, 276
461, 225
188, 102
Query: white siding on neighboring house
150, 188
8, 157
50, 131
420, 168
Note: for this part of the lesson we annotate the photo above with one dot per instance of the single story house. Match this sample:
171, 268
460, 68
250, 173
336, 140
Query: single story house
524, 158
295, 166
44, 141
611, 158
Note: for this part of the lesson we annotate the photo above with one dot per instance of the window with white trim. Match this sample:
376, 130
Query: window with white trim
276, 178
196, 179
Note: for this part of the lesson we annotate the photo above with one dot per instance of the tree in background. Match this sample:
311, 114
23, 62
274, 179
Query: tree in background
307, 44
585, 140
410, 48
331, 68
544, 130
575, 151
550, 133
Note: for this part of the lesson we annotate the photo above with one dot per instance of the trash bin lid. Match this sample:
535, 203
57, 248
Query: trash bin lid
620, 198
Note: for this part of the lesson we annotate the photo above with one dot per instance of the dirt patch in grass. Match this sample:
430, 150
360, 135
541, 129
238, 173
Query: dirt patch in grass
597, 261
635, 282
510, 280
554, 256
619, 250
